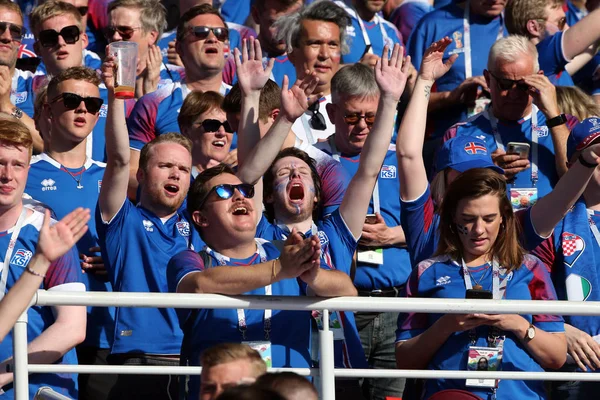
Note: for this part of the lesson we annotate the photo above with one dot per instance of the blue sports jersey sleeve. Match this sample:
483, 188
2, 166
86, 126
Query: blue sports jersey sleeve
335, 180
182, 264
411, 324
63, 270
550, 54
541, 288
109, 237
419, 222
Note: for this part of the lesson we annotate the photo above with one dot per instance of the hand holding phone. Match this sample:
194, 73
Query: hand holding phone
522, 149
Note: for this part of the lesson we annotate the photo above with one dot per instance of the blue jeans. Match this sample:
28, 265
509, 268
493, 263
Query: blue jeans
378, 337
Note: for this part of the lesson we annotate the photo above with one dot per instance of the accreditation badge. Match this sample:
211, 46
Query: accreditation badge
484, 359
264, 349
522, 198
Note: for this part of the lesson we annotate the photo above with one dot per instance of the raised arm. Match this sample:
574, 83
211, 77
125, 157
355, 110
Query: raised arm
391, 75
583, 34
116, 176
550, 209
411, 135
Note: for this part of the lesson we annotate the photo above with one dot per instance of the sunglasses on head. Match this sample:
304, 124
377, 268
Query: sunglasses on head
126, 32
49, 37
71, 101
16, 31
317, 120
83, 10
202, 32
213, 125
226, 191
508, 84
354, 118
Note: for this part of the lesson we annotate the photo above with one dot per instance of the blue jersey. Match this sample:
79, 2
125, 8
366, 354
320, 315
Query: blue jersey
552, 60
234, 11
518, 131
573, 254
56, 186
396, 265
406, 16
337, 249
449, 21
290, 330
136, 248
378, 31
442, 277
156, 113
64, 274
21, 91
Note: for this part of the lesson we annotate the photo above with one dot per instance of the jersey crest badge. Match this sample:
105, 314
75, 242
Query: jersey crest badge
148, 225
388, 172
21, 258
19, 97
578, 288
542, 131
572, 245
183, 227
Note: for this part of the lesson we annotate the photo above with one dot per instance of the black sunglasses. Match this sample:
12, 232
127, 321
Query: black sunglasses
202, 32
49, 37
72, 101
354, 118
508, 84
83, 10
213, 125
126, 32
317, 120
16, 31
226, 191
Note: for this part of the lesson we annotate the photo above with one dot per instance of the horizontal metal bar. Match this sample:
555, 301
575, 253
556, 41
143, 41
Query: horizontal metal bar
46, 393
339, 372
386, 304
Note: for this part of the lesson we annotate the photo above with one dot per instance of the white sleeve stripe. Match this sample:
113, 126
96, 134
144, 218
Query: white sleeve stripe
191, 272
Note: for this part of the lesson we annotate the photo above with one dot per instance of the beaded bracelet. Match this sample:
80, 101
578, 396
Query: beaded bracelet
32, 272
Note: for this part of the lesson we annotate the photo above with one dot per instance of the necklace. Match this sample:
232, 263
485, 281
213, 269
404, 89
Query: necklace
81, 171
477, 285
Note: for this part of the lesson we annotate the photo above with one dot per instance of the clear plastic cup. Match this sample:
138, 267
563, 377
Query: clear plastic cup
125, 75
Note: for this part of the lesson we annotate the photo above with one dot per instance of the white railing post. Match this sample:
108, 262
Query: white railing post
327, 364
20, 373
46, 393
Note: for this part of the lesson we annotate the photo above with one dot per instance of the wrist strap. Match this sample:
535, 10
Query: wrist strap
32, 272
586, 164
556, 121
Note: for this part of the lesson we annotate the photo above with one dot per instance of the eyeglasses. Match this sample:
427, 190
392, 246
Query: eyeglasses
226, 191
354, 118
213, 125
202, 32
83, 10
126, 32
560, 24
16, 31
49, 37
317, 120
71, 101
508, 84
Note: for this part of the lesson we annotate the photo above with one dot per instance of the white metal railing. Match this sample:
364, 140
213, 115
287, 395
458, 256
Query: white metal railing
327, 372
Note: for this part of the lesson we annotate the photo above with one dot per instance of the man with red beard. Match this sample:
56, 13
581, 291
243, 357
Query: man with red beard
137, 243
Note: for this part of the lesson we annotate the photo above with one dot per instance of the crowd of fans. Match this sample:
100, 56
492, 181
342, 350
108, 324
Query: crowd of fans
375, 148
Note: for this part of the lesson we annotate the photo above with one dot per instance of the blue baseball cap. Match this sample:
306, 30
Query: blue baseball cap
465, 152
584, 134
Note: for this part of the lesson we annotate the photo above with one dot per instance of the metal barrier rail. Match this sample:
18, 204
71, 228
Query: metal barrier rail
327, 372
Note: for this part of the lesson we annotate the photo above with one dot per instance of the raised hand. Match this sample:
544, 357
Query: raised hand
152, 71
392, 73
298, 255
172, 55
56, 240
295, 100
543, 93
109, 67
432, 66
5, 88
252, 75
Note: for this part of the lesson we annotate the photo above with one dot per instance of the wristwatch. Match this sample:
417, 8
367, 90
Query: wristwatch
556, 121
530, 333
17, 113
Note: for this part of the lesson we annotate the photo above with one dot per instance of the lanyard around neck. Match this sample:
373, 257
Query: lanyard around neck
534, 138
242, 326
365, 35
9, 251
467, 38
497, 287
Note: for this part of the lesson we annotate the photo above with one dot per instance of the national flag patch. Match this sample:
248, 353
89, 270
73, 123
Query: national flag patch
578, 288
21, 258
474, 148
572, 245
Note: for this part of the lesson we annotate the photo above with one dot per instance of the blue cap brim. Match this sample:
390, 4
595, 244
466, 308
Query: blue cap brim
464, 166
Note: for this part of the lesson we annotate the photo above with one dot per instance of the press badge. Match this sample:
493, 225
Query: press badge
264, 349
523, 198
480, 105
374, 257
484, 359
335, 325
